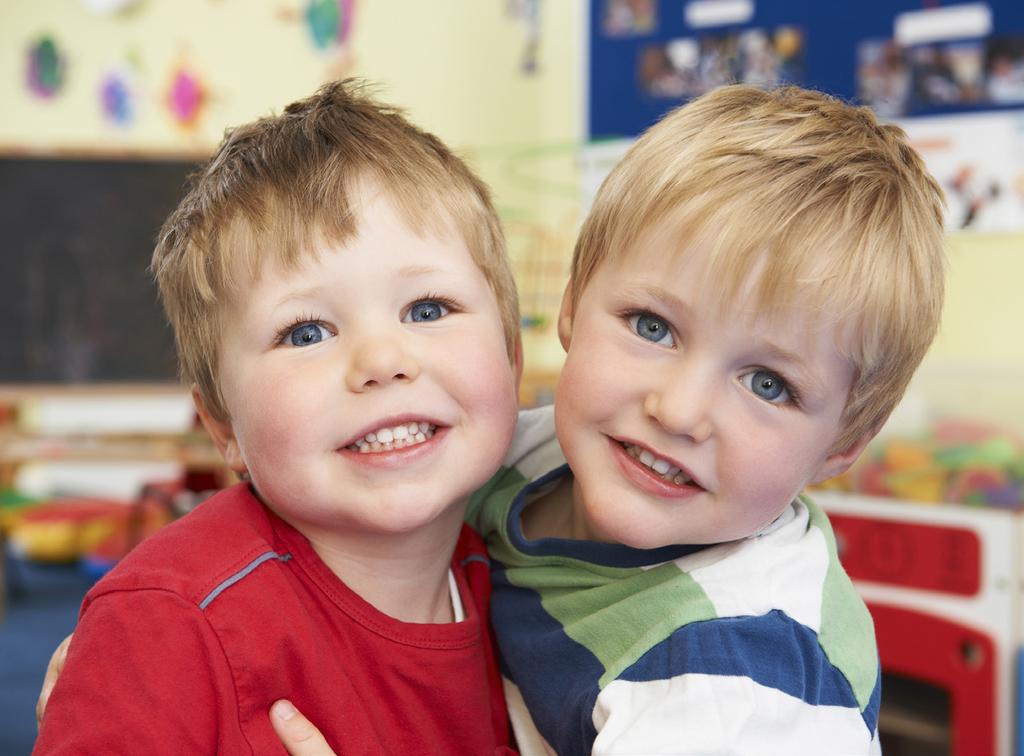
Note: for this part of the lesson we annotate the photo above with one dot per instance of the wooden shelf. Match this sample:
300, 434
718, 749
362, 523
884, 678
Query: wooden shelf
192, 450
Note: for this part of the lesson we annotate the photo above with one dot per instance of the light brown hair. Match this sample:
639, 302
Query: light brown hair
812, 198
277, 186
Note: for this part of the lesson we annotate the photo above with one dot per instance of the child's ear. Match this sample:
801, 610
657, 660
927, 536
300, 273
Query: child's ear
840, 461
221, 433
565, 318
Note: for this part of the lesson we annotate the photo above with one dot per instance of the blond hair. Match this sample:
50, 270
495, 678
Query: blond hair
812, 198
277, 186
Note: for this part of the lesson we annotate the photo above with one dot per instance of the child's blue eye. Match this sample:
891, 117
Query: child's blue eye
767, 385
306, 334
651, 327
426, 311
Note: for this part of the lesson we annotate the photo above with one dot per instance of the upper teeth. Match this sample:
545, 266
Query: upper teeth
663, 467
395, 437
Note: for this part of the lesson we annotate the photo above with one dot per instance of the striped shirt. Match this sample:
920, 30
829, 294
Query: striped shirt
757, 646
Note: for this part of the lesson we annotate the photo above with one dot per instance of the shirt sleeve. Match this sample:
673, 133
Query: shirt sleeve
144, 674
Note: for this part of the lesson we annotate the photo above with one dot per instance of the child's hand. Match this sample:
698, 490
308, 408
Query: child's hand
53, 670
298, 735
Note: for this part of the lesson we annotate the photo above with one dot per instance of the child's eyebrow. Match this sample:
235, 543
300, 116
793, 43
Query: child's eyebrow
316, 290
310, 292
796, 368
415, 271
664, 297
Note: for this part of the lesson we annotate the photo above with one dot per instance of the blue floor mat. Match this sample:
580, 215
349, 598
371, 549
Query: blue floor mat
41, 607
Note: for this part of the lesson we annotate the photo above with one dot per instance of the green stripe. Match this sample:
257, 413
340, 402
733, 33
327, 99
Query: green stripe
488, 503
847, 632
617, 614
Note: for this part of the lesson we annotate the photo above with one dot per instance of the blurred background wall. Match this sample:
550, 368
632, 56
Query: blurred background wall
502, 81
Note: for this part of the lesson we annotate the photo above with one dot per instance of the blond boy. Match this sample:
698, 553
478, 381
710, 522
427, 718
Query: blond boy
754, 287
344, 311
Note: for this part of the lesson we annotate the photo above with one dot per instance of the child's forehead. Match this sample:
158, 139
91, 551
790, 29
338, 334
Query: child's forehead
728, 282
288, 240
743, 266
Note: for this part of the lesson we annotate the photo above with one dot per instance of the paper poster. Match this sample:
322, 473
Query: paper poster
109, 6
625, 18
952, 74
978, 159
689, 66
528, 14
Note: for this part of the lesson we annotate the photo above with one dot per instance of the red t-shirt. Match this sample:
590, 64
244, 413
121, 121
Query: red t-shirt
183, 647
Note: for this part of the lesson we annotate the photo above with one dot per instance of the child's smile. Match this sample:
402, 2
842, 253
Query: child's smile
396, 443
665, 477
394, 437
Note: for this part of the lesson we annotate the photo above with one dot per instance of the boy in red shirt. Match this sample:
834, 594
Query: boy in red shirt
345, 314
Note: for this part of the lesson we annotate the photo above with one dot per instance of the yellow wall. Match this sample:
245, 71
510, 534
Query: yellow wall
976, 366
985, 302
453, 64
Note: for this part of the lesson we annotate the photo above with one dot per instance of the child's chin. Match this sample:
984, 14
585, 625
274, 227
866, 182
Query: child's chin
614, 530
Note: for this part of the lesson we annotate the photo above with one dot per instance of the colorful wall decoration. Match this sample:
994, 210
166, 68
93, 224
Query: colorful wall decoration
45, 68
119, 95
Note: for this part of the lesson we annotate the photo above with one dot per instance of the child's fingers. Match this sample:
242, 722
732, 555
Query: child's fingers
53, 670
297, 734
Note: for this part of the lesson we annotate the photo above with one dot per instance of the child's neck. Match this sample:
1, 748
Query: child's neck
405, 576
554, 514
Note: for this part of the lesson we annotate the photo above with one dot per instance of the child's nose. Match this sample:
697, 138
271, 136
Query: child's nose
682, 407
379, 363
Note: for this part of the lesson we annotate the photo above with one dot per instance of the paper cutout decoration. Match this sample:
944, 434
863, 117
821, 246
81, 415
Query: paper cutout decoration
119, 96
329, 22
45, 70
186, 96
109, 6
528, 13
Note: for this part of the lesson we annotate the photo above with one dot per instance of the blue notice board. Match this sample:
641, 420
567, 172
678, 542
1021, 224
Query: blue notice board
646, 59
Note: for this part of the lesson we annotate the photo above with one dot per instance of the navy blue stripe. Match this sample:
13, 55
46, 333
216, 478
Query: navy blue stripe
606, 554
557, 676
870, 712
773, 650
224, 585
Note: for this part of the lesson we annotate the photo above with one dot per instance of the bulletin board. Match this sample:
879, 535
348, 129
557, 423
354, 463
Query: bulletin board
645, 58
77, 303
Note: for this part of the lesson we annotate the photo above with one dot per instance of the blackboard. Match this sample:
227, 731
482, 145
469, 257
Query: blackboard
77, 304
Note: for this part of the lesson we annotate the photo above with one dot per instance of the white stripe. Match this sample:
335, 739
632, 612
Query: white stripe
784, 569
712, 714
